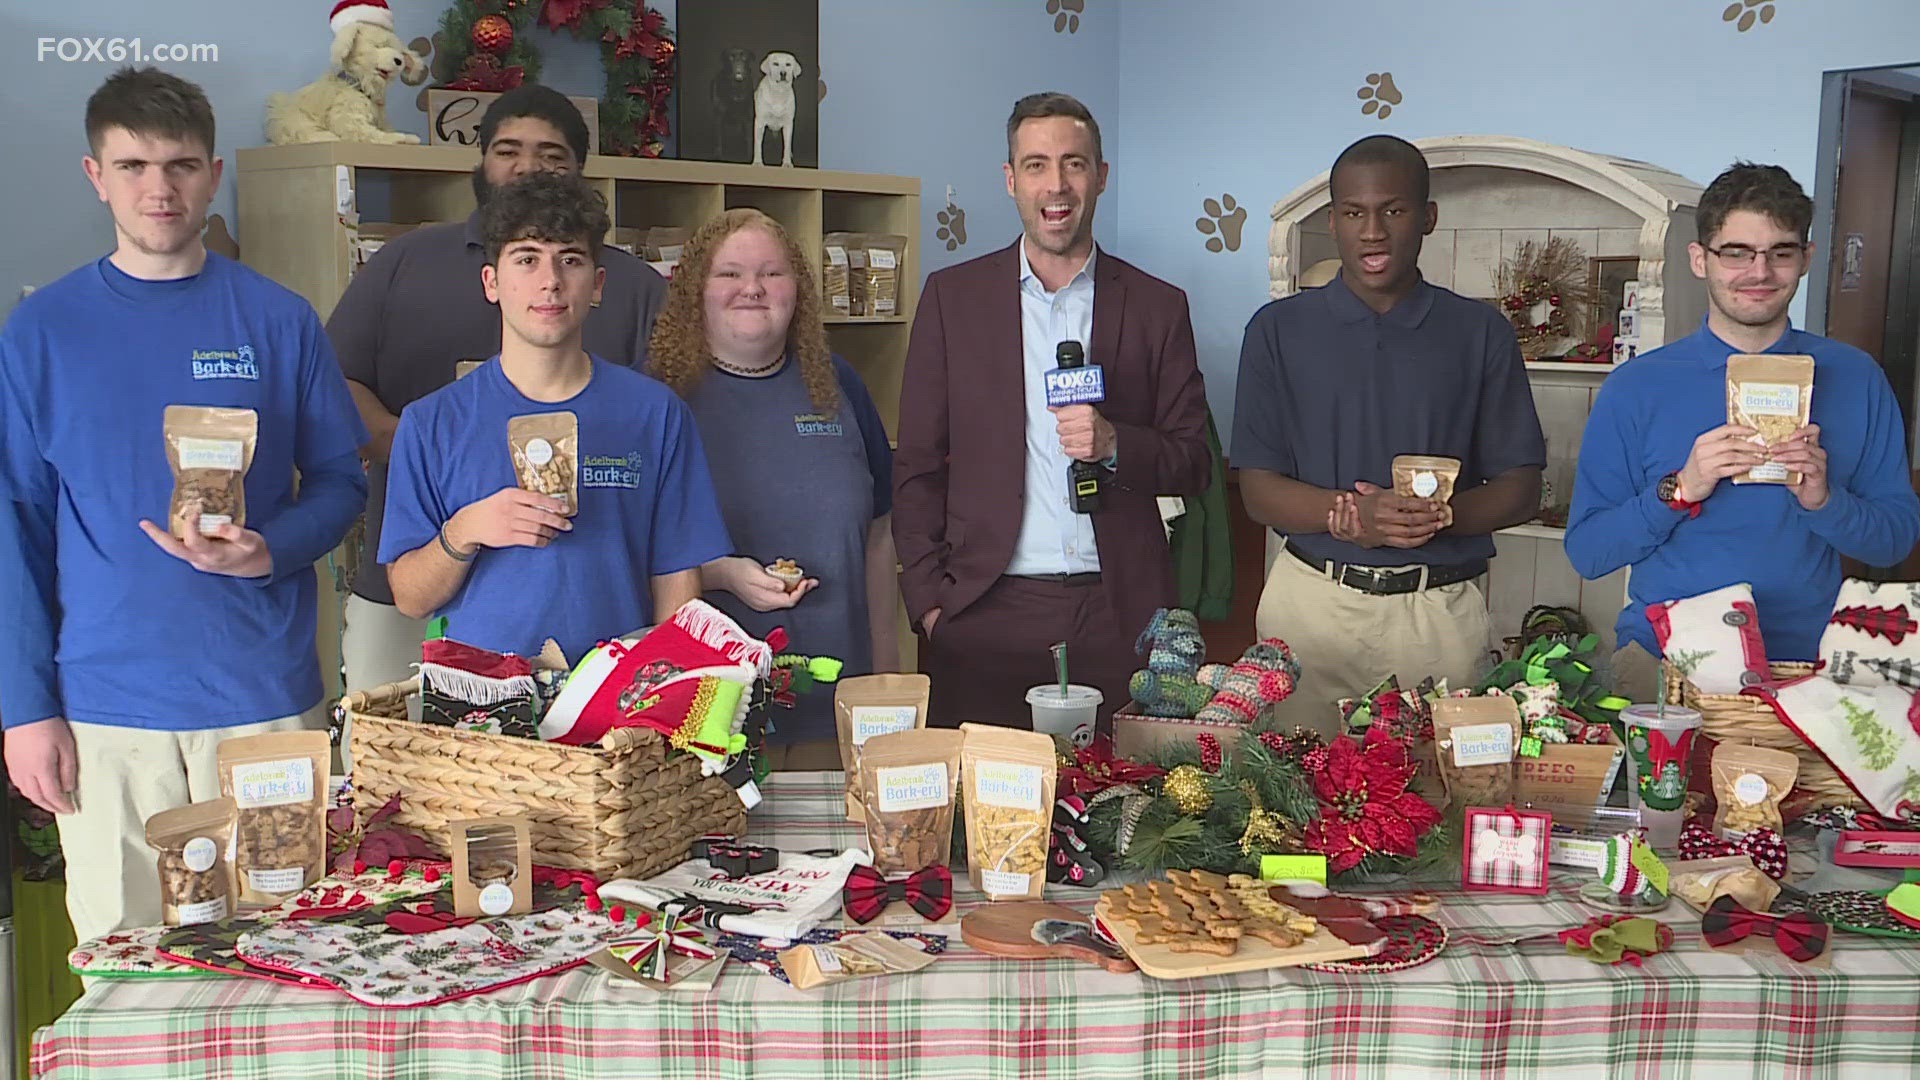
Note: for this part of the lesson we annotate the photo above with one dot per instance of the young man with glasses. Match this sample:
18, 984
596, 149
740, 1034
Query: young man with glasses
1653, 488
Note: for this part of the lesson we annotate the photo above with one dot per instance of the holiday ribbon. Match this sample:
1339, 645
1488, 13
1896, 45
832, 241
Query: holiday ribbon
1764, 846
928, 891
649, 952
1799, 935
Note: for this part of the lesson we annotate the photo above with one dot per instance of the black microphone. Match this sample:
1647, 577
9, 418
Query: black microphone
1083, 387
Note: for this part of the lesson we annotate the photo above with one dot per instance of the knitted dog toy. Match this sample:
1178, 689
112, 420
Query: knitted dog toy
1166, 687
1263, 675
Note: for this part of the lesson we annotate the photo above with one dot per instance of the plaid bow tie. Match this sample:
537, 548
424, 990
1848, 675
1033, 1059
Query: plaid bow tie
929, 892
1764, 846
1799, 935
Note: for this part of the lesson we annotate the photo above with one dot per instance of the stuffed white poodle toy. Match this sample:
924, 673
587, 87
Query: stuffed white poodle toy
349, 103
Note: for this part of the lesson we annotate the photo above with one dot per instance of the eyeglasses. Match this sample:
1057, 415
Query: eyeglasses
1740, 256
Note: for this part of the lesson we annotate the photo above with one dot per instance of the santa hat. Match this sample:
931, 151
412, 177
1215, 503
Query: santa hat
372, 12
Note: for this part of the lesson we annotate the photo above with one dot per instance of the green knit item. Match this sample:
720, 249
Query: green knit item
1610, 943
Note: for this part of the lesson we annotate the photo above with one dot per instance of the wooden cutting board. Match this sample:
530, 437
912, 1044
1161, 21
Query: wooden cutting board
1161, 962
1006, 929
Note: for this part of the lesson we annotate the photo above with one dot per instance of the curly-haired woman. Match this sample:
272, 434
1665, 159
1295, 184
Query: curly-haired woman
799, 458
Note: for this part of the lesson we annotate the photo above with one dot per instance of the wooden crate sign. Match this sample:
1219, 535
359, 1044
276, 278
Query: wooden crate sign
453, 117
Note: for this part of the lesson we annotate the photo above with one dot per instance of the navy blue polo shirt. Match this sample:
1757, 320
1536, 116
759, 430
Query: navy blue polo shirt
1331, 392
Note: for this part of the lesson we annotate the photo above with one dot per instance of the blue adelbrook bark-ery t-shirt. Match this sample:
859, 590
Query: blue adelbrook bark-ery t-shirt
647, 507
104, 627
1643, 426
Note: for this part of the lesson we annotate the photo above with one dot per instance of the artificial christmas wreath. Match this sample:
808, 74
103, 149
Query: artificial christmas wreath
1543, 290
486, 45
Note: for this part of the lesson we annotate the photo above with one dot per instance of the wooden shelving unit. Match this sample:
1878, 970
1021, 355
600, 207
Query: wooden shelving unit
293, 205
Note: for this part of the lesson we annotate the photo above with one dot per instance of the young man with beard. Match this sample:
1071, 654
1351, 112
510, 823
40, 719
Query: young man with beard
502, 563
997, 565
1335, 383
130, 654
1654, 492
416, 310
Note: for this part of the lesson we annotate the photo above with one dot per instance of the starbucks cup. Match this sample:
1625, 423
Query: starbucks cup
1068, 716
1660, 746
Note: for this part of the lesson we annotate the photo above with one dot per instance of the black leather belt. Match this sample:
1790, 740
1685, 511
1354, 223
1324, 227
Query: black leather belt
1092, 578
1382, 581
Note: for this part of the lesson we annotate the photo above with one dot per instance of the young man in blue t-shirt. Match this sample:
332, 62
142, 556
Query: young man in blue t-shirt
503, 564
1654, 492
132, 654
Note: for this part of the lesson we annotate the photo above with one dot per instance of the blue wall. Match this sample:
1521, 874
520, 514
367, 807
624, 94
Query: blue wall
917, 89
1243, 97
1256, 97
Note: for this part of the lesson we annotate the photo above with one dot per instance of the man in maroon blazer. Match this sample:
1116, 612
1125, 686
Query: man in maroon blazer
997, 565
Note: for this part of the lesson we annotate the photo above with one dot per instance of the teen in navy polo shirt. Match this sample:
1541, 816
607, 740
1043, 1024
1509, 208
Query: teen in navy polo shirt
130, 655
1653, 491
1335, 383
501, 563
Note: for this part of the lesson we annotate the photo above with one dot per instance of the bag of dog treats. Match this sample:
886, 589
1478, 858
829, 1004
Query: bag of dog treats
1008, 777
195, 843
210, 450
909, 780
855, 956
1475, 740
886, 261
546, 455
1749, 783
1422, 476
1772, 394
278, 784
839, 283
869, 705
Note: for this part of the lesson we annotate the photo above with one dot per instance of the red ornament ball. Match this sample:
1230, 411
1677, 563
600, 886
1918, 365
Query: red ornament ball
1554, 299
432, 874
593, 904
618, 913
396, 868
359, 867
492, 34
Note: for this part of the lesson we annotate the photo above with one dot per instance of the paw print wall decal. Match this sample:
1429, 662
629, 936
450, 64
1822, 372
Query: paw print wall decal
1744, 13
953, 224
1066, 15
1380, 95
1225, 218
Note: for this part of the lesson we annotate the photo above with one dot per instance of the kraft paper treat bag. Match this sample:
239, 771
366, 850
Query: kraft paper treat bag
1773, 394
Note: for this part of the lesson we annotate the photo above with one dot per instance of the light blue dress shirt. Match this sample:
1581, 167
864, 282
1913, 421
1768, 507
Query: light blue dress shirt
1053, 539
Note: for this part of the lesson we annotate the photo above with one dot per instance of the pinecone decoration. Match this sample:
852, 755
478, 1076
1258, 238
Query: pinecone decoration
1186, 785
492, 34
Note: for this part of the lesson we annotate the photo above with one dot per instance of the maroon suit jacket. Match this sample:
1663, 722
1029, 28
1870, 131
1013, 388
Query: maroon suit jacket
959, 474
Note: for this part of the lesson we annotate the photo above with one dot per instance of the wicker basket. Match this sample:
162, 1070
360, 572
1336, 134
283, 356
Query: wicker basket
625, 809
1743, 718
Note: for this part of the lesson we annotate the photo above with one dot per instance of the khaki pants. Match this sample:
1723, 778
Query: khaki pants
377, 646
1347, 640
1636, 675
126, 776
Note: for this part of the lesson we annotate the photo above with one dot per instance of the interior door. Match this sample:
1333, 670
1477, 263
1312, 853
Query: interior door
1861, 261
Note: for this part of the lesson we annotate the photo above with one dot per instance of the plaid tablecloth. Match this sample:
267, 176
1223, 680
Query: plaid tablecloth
1479, 1010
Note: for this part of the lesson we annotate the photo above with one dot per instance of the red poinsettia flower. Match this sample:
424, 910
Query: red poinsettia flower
1096, 768
1365, 806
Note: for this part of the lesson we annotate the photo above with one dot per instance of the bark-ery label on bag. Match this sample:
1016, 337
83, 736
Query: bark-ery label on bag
1003, 783
912, 787
871, 720
1482, 744
273, 783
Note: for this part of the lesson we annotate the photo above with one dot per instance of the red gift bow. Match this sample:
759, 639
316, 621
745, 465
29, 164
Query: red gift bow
928, 891
1799, 935
1764, 846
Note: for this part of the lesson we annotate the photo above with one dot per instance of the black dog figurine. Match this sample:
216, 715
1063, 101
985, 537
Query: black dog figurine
733, 106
